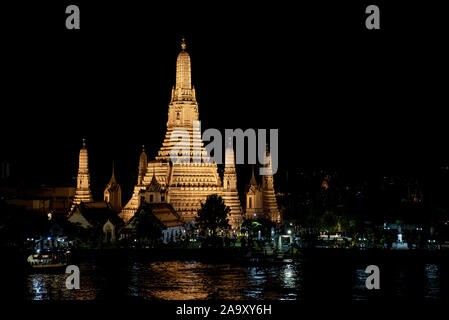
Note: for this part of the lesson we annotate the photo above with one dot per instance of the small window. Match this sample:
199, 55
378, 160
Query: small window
178, 116
229, 186
151, 198
250, 202
162, 198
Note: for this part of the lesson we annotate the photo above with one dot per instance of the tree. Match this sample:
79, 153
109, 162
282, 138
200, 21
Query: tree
213, 216
148, 227
80, 235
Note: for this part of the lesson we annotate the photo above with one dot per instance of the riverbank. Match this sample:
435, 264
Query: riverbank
242, 254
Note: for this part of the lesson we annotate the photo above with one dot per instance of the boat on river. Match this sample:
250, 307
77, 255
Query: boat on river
49, 260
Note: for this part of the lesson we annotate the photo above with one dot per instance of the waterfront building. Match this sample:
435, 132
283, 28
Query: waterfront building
97, 215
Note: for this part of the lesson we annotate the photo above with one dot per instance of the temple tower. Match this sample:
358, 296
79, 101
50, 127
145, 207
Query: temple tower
142, 166
191, 177
260, 197
82, 191
113, 193
182, 112
136, 199
270, 206
182, 166
230, 193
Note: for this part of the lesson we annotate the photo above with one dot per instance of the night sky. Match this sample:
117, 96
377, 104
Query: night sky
341, 96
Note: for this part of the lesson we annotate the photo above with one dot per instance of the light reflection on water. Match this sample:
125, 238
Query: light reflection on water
403, 282
189, 280
175, 280
359, 285
52, 286
431, 281
186, 280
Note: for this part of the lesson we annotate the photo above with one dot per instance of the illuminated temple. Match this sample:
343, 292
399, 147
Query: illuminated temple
82, 191
186, 184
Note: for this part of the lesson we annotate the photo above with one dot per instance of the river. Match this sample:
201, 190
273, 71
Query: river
302, 278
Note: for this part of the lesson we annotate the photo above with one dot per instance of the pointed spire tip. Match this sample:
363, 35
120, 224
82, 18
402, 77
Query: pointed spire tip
183, 43
253, 178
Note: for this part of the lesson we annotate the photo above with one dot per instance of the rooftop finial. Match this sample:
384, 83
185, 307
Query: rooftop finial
113, 181
229, 144
183, 43
154, 179
253, 180
84, 143
143, 148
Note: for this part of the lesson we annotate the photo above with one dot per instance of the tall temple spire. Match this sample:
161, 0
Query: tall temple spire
267, 161
269, 198
82, 191
183, 114
183, 87
230, 193
183, 71
229, 155
143, 162
188, 184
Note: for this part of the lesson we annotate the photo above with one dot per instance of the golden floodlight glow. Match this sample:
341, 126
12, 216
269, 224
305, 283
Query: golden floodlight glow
187, 185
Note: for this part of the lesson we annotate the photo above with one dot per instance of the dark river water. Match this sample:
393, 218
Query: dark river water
298, 279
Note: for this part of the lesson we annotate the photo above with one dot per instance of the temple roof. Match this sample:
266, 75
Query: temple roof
164, 213
97, 213
154, 184
113, 182
253, 180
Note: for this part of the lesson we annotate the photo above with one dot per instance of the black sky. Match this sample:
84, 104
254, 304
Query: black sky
341, 96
